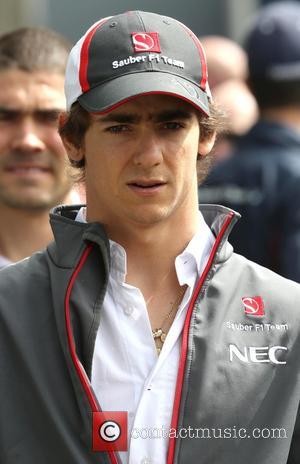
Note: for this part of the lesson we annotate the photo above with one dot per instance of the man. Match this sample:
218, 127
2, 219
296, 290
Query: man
226, 60
262, 179
227, 66
139, 317
33, 174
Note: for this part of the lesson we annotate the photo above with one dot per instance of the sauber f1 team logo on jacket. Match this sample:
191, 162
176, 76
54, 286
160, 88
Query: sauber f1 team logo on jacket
254, 306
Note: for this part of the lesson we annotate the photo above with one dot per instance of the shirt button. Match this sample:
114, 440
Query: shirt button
146, 461
128, 310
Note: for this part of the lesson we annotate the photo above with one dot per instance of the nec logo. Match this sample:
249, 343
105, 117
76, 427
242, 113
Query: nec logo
254, 306
145, 42
258, 354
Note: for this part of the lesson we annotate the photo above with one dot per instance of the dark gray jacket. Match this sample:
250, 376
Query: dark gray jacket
239, 365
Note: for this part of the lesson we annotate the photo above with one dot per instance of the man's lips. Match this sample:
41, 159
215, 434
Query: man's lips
147, 183
146, 186
28, 169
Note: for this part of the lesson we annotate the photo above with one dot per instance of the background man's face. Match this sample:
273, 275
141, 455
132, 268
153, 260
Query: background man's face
33, 171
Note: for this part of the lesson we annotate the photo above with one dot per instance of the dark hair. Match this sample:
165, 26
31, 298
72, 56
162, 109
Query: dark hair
275, 94
78, 121
34, 49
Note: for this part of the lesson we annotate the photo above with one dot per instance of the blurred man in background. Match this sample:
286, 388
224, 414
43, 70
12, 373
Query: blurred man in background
225, 59
33, 172
227, 64
262, 179
235, 98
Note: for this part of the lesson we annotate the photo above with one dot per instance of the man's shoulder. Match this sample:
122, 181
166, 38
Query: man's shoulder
252, 174
255, 157
25, 295
24, 274
262, 281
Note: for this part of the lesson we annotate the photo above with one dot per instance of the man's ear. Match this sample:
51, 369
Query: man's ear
74, 152
206, 144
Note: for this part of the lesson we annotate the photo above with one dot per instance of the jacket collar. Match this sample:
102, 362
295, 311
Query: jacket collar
215, 217
72, 236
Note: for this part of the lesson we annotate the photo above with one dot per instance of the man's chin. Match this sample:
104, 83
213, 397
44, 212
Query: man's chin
149, 216
29, 201
29, 204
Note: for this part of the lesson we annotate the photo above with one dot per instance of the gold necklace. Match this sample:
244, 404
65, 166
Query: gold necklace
159, 334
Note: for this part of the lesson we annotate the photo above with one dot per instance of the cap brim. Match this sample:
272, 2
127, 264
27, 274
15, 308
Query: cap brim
111, 94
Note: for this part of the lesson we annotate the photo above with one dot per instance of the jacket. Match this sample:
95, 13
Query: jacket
239, 364
262, 182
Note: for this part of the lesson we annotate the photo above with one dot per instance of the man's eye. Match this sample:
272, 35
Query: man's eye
9, 116
47, 117
172, 125
119, 128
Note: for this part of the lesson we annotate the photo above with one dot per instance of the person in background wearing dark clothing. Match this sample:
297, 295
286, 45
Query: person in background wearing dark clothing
240, 107
225, 58
262, 179
33, 169
227, 66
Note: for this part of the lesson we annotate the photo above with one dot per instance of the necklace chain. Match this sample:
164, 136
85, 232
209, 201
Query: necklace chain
158, 288
159, 334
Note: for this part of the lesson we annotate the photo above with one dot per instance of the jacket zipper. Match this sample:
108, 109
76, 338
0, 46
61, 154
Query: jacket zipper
77, 364
182, 362
185, 336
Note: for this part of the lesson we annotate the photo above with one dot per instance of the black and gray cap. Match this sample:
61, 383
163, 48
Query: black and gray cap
132, 54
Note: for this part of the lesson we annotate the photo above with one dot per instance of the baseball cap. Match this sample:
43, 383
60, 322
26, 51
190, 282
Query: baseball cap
136, 53
273, 42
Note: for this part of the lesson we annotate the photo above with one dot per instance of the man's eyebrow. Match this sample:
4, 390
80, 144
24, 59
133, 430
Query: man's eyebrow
162, 116
11, 110
170, 115
120, 118
5, 109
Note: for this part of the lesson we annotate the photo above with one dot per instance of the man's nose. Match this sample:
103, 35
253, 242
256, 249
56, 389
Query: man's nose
149, 150
28, 137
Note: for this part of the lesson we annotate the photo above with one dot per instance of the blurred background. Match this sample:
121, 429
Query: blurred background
72, 17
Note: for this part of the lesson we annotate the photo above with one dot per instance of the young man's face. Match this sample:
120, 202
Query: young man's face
141, 161
32, 157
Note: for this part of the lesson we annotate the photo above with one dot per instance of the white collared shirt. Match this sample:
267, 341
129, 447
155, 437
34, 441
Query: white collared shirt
4, 261
127, 374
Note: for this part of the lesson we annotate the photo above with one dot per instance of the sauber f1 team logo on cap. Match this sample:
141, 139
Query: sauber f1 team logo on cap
145, 42
254, 306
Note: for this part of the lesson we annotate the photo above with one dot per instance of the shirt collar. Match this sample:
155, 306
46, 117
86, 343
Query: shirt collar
189, 264
81, 215
4, 261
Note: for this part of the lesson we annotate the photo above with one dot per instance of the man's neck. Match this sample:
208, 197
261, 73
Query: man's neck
151, 251
151, 258
23, 232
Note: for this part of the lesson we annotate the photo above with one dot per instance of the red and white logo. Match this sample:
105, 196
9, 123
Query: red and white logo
110, 431
145, 42
254, 306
